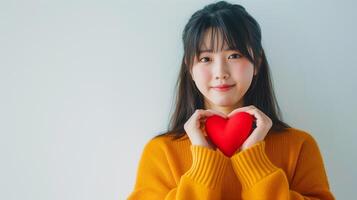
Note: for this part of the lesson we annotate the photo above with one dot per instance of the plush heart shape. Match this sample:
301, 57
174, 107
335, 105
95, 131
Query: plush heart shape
229, 134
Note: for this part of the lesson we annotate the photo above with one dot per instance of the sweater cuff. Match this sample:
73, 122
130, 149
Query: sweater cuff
252, 164
208, 166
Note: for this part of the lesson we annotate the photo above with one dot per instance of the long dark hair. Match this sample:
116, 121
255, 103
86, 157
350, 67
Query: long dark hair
239, 31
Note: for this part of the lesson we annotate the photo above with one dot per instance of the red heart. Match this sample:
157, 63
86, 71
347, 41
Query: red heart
229, 134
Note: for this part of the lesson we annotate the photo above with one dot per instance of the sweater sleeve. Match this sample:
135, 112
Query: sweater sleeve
262, 180
202, 181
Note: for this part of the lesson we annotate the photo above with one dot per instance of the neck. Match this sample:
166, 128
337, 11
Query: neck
224, 109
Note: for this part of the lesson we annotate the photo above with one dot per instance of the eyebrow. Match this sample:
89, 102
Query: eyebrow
211, 50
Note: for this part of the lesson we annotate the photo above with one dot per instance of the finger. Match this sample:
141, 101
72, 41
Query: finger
259, 116
242, 109
199, 114
204, 113
214, 112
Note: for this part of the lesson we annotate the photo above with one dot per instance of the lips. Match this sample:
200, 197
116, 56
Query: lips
223, 89
223, 86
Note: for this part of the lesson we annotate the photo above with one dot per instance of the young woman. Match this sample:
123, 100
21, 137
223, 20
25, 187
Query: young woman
224, 71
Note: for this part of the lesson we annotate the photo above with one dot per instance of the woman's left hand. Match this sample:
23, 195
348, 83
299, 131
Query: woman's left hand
263, 125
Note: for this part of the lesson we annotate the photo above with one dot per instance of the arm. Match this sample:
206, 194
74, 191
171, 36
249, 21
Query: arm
262, 180
202, 181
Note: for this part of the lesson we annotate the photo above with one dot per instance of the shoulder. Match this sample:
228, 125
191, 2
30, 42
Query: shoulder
294, 136
156, 143
295, 133
161, 143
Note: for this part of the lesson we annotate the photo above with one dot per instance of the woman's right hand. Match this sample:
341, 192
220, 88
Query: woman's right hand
195, 127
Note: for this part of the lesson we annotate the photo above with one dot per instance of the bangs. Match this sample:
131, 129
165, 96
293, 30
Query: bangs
221, 30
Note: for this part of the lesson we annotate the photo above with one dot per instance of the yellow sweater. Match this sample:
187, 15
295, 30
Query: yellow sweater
285, 166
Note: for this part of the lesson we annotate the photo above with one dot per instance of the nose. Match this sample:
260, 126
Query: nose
225, 76
221, 71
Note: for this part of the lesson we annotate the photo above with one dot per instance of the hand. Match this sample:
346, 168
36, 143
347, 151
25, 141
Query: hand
195, 127
263, 125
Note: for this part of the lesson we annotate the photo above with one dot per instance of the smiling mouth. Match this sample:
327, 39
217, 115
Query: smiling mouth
223, 89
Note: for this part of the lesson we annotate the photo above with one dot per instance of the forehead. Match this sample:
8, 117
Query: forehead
214, 40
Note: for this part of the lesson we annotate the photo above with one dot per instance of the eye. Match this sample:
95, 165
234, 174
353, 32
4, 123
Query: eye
235, 55
204, 59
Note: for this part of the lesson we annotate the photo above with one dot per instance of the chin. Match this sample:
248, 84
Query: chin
223, 102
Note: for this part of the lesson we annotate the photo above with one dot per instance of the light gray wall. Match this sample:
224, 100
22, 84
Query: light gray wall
85, 84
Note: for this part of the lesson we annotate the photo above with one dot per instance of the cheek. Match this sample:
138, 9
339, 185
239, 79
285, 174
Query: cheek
244, 70
201, 74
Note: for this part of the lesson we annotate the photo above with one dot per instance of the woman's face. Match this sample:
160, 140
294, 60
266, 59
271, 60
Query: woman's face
212, 69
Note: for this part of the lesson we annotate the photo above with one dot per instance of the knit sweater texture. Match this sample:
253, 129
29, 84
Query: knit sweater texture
286, 165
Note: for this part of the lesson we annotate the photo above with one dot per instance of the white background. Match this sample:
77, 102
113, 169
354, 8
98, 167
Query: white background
85, 84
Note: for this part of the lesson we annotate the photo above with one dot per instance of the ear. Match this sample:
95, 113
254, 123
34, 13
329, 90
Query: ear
190, 70
192, 76
256, 68
255, 71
